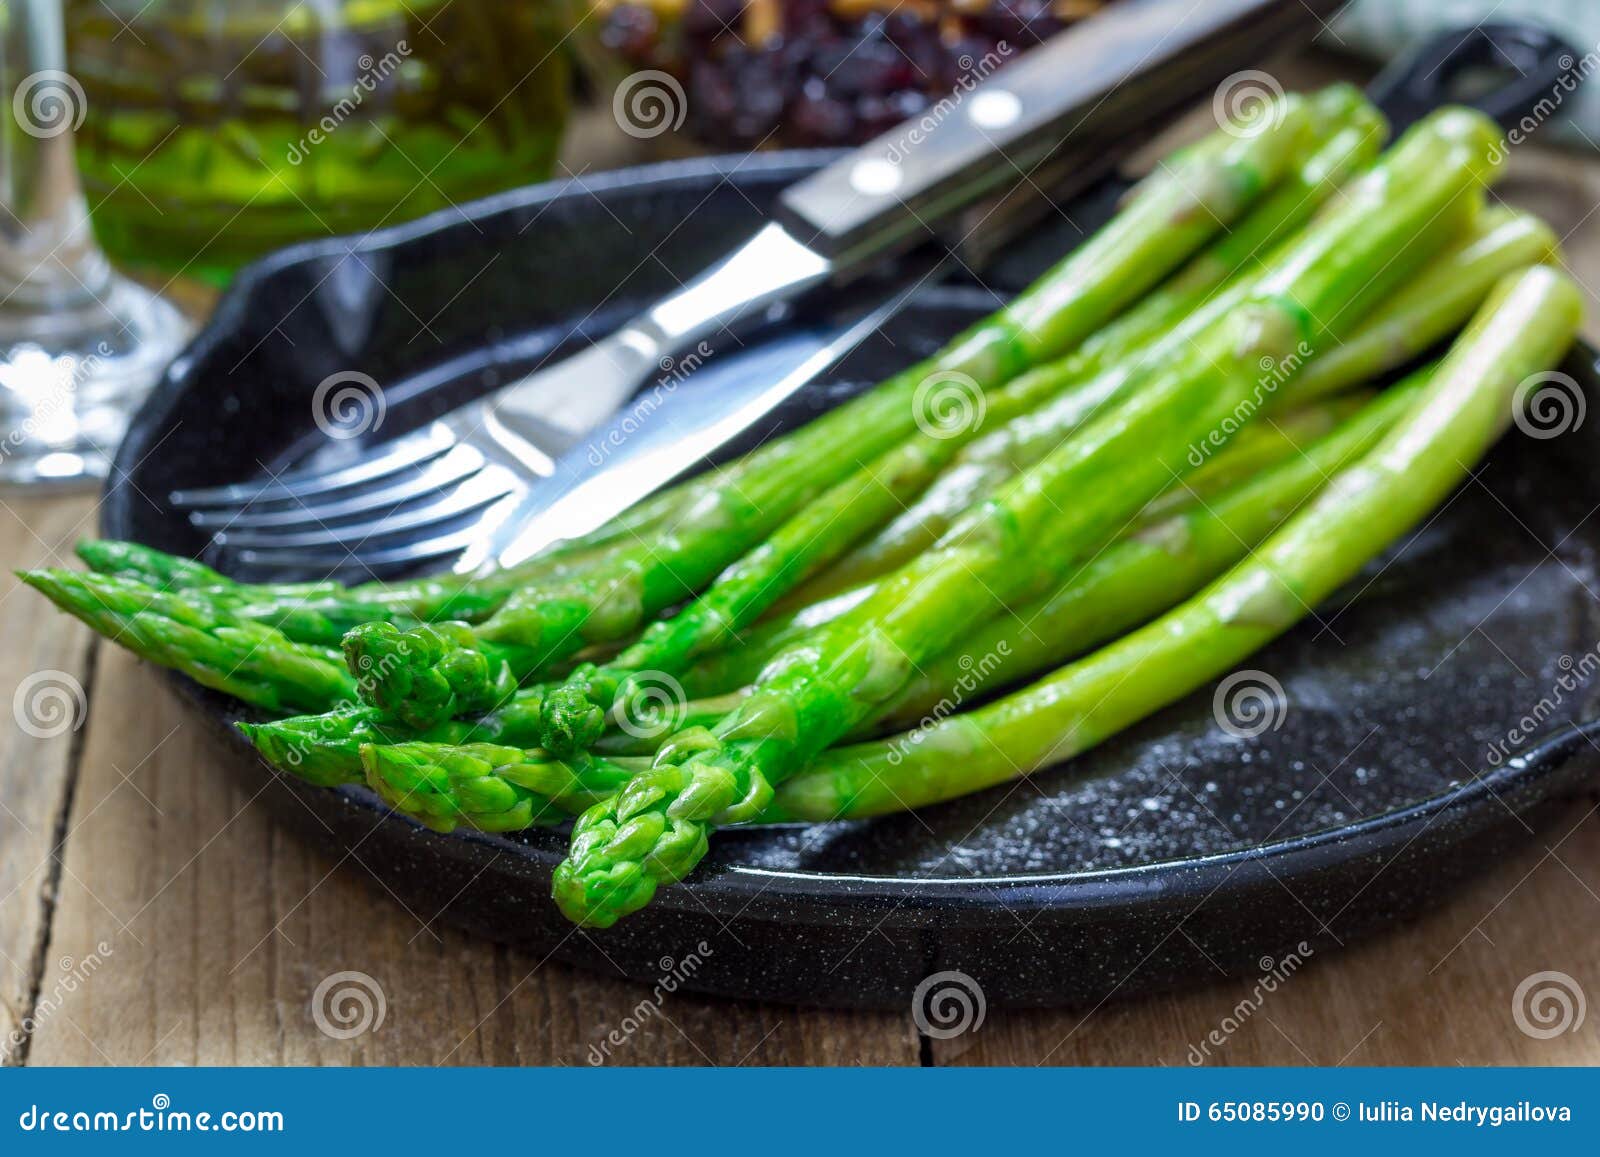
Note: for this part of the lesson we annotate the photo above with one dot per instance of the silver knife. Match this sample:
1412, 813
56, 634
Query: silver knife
1104, 82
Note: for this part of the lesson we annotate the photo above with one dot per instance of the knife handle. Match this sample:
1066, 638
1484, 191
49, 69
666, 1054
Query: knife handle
1102, 80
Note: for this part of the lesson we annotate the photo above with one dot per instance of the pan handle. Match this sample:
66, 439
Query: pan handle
1533, 72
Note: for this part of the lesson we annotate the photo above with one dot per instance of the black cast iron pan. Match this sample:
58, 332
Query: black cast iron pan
1401, 765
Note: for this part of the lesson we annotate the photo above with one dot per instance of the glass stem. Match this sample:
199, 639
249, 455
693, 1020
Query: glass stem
48, 258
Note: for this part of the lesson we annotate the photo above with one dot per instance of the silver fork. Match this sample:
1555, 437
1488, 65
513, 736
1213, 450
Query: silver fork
487, 460
494, 449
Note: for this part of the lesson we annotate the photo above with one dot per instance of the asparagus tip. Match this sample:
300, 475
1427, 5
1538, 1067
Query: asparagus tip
46, 582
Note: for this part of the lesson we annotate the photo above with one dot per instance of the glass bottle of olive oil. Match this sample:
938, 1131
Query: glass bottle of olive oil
217, 130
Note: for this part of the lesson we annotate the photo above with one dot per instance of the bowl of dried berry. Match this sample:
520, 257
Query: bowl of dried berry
751, 73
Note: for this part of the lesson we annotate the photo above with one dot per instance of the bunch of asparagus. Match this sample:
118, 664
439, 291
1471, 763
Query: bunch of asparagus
1192, 436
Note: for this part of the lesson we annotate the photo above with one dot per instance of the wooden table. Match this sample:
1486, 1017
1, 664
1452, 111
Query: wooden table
150, 912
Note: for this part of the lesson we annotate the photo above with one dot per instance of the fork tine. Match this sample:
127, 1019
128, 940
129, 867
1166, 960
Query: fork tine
458, 465
326, 561
478, 491
410, 450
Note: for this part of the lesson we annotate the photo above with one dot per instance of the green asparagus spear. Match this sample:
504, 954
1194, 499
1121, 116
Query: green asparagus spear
1348, 132
1163, 560
1253, 449
1432, 430
1431, 306
1525, 327
1172, 215
655, 830
249, 661
1426, 309
576, 712
426, 675
325, 749
1134, 579
1166, 560
951, 755
148, 565
314, 612
487, 787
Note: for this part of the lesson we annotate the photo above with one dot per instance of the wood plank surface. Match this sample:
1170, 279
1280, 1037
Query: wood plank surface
44, 672
1440, 991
